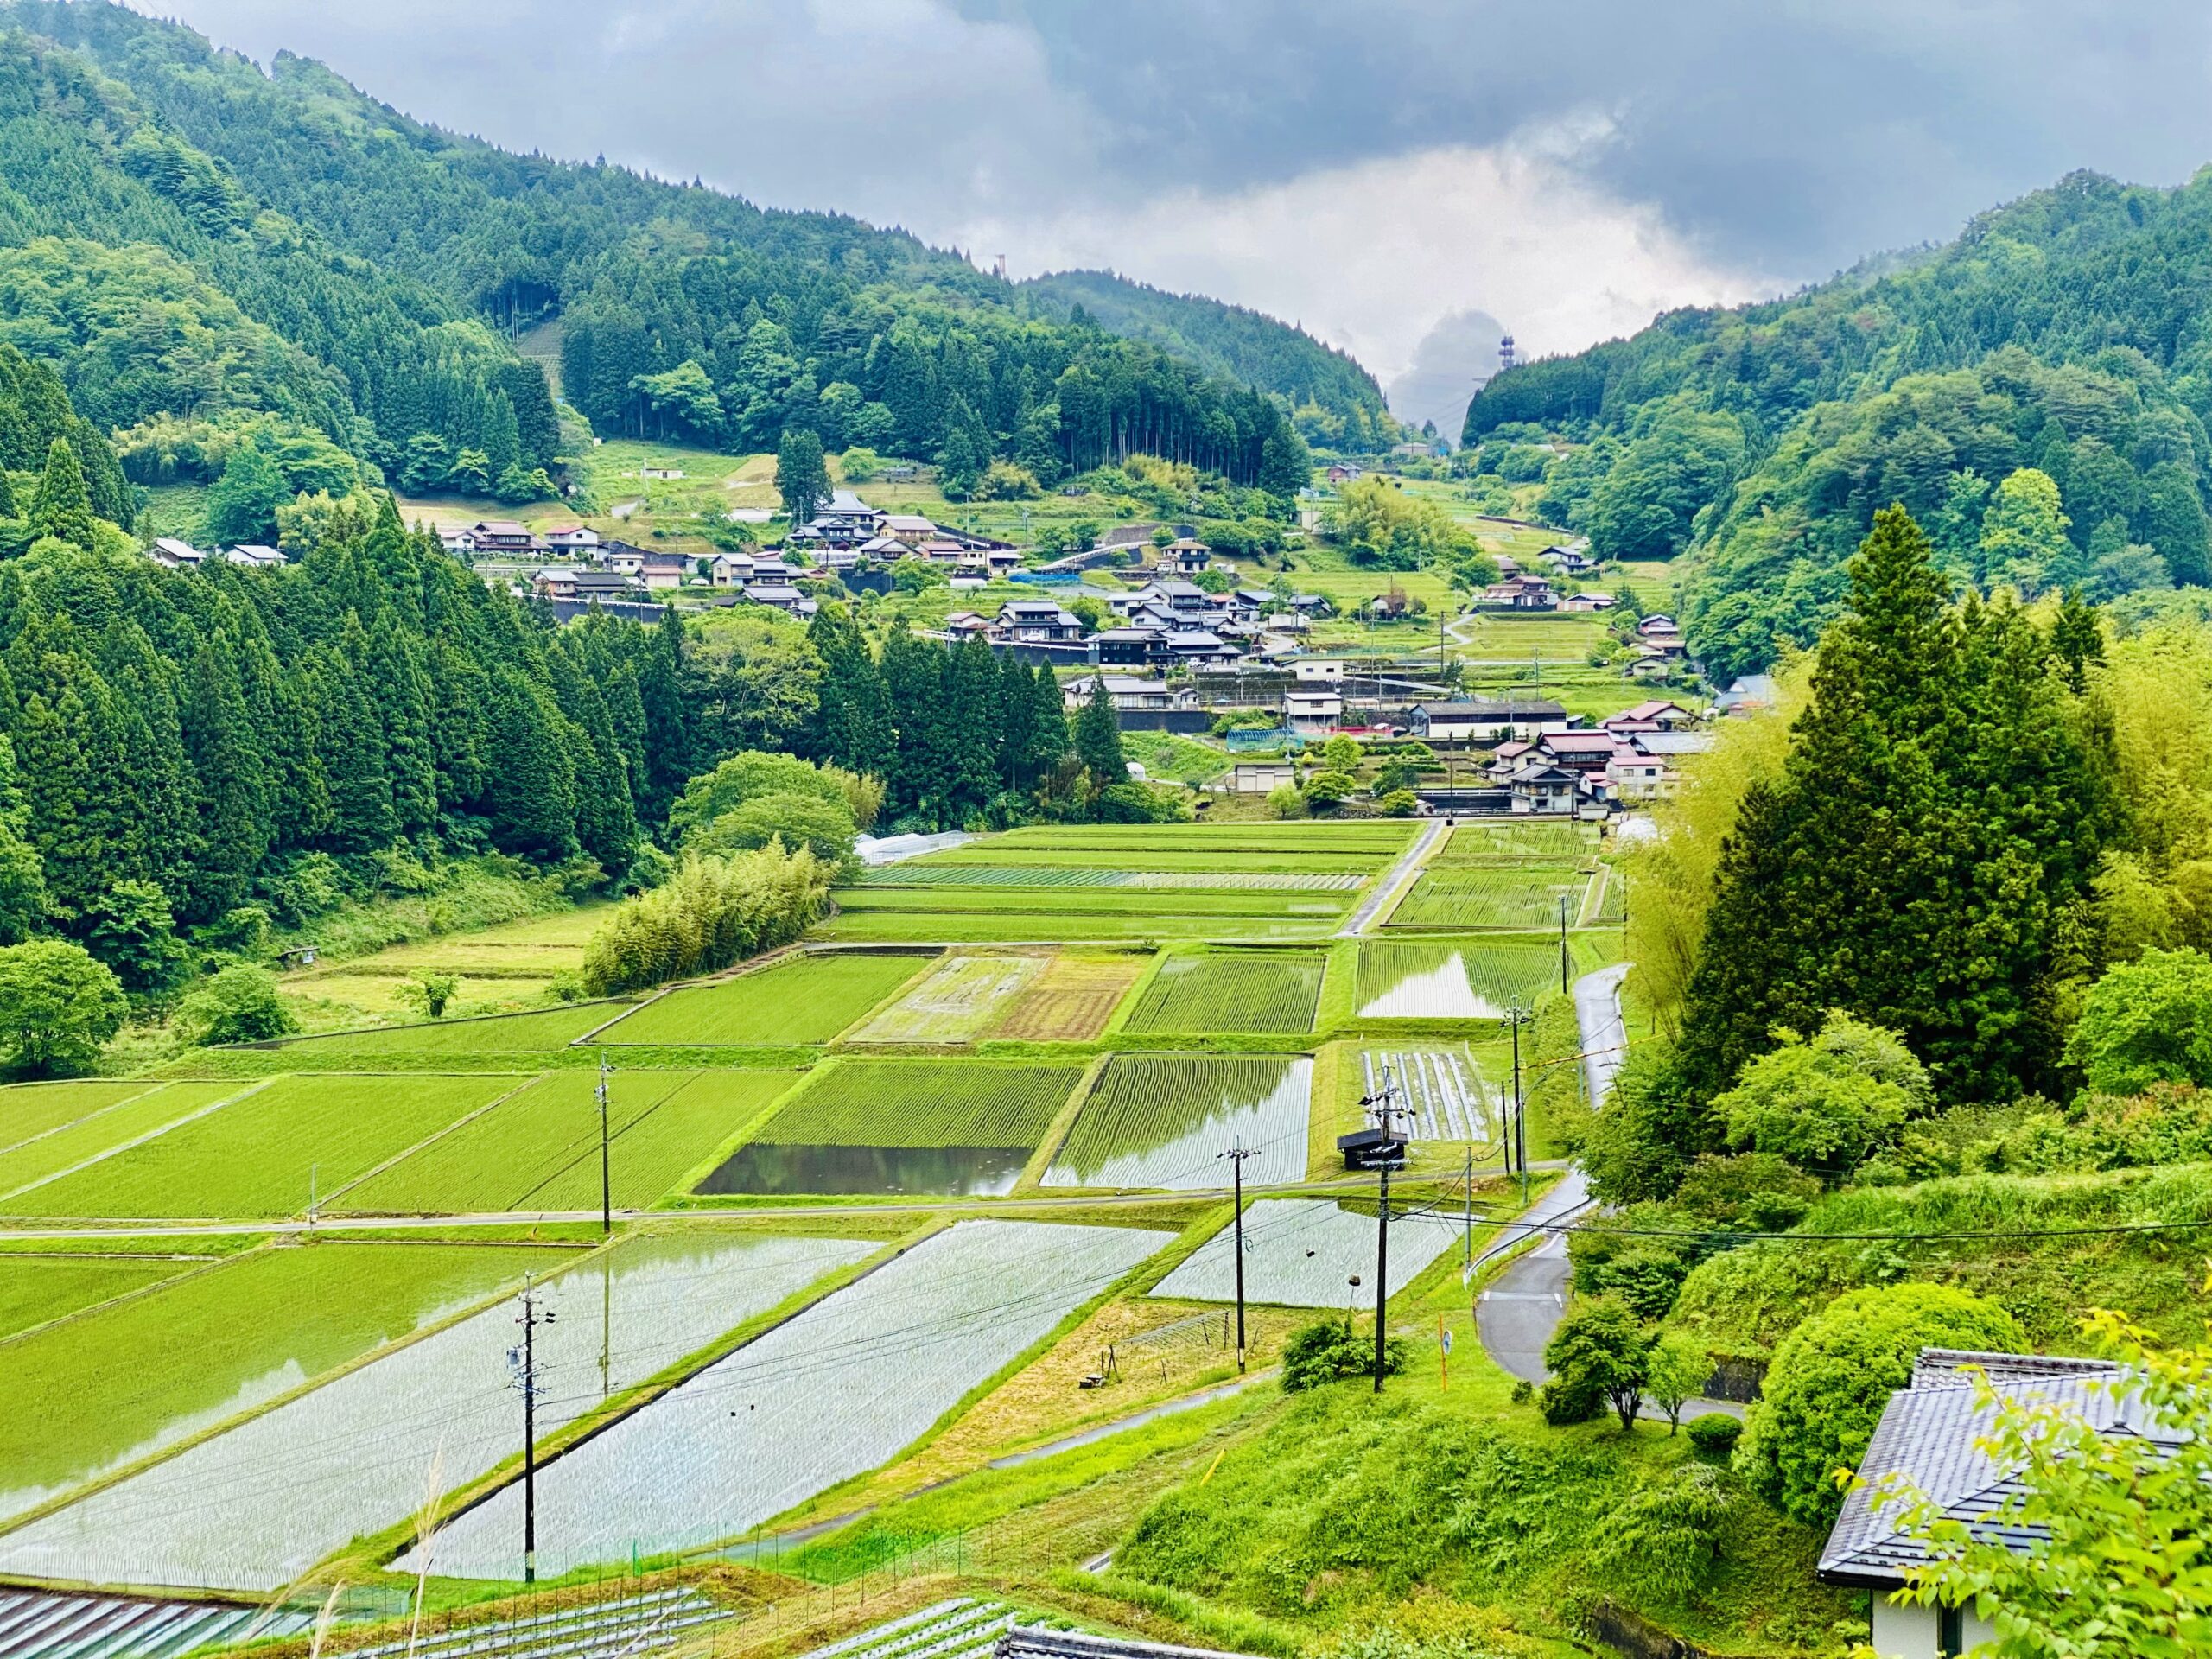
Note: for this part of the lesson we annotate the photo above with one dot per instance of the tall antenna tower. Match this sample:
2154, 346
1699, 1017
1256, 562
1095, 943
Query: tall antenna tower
1505, 354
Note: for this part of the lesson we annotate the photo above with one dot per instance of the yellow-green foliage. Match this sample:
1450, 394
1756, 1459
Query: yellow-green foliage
713, 911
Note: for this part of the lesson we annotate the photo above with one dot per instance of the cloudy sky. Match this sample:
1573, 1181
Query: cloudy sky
1401, 176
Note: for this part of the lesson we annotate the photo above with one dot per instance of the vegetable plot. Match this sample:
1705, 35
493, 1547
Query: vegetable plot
254, 1508
962, 996
1302, 1253
1164, 1120
836, 1391
1440, 1085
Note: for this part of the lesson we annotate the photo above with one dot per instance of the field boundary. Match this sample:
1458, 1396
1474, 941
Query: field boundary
1032, 1172
151, 1085
434, 1137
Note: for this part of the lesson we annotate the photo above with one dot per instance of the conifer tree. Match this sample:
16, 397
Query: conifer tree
62, 507
856, 729
913, 677
7, 496
802, 479
393, 676
971, 679
23, 872
531, 795
351, 744
232, 783
1098, 740
1015, 700
1048, 722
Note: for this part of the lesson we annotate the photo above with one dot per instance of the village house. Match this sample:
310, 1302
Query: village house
1132, 691
567, 581
730, 570
572, 540
1263, 777
1544, 789
847, 518
1486, 722
662, 571
1037, 621
174, 553
503, 538
1522, 593
624, 559
1184, 556
1635, 775
1660, 716
884, 550
961, 624
1312, 712
1324, 670
1567, 561
1583, 603
1508, 757
1132, 647
1586, 752
1657, 626
254, 556
1932, 1436
781, 597
910, 528
1342, 472
1197, 646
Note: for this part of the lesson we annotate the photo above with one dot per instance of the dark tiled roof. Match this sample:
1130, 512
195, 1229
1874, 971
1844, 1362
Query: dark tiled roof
1929, 1437
1029, 1641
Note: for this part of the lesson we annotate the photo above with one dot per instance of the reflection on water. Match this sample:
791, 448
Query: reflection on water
957, 1172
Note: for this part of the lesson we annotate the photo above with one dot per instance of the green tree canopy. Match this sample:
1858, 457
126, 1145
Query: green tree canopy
2147, 1021
58, 1006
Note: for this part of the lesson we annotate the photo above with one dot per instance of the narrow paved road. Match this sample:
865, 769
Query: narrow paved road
1518, 1315
1393, 879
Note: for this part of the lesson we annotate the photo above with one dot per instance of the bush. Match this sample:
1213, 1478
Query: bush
1827, 1103
1751, 1192
1329, 1350
1597, 1358
1666, 1540
1284, 802
58, 1006
1398, 803
713, 911
1647, 1277
241, 1004
1832, 1376
1715, 1433
1327, 789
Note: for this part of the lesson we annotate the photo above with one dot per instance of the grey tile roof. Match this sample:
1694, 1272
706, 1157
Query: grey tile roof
1929, 1436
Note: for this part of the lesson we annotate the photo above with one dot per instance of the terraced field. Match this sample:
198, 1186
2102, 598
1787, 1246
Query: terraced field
956, 1001
862, 1103
36, 1288
32, 1108
149, 1112
1164, 1121
266, 1153
1253, 991
1464, 980
1072, 1001
1303, 1252
804, 998
538, 1149
1440, 1086
1467, 898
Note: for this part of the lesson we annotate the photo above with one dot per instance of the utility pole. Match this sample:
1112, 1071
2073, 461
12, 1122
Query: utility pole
1516, 1136
1467, 1197
1562, 944
1390, 1154
1237, 1155
606, 1183
523, 1362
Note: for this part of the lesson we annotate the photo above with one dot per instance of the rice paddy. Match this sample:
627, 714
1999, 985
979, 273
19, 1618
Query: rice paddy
539, 1148
1504, 896
1250, 991
256, 1506
1465, 980
258, 1405
1303, 1253
745, 1439
802, 1000
253, 1327
268, 1153
1164, 1121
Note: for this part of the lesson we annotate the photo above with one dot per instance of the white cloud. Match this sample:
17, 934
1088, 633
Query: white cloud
1371, 256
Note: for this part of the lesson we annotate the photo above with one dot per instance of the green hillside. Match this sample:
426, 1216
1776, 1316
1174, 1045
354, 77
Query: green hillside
402, 259
2064, 333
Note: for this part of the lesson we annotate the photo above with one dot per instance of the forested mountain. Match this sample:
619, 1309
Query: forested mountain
1337, 399
2062, 338
394, 256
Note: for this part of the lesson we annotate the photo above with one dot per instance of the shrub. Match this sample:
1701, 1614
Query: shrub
1666, 1540
1284, 802
241, 1004
1328, 789
1597, 1358
1714, 1434
1646, 1277
1398, 803
1640, 1145
1832, 1376
713, 911
1329, 1350
1751, 1192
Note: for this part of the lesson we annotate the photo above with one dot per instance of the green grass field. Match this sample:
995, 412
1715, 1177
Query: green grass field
36, 1288
32, 1108
539, 1148
518, 1034
994, 925
260, 1155
1231, 992
1473, 843
803, 1000
136, 1114
870, 1103
224, 1338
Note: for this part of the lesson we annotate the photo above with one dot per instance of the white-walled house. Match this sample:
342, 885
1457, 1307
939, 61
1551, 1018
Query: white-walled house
1928, 1437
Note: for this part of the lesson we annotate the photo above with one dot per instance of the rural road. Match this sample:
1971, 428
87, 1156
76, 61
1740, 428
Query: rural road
1518, 1315
1394, 878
